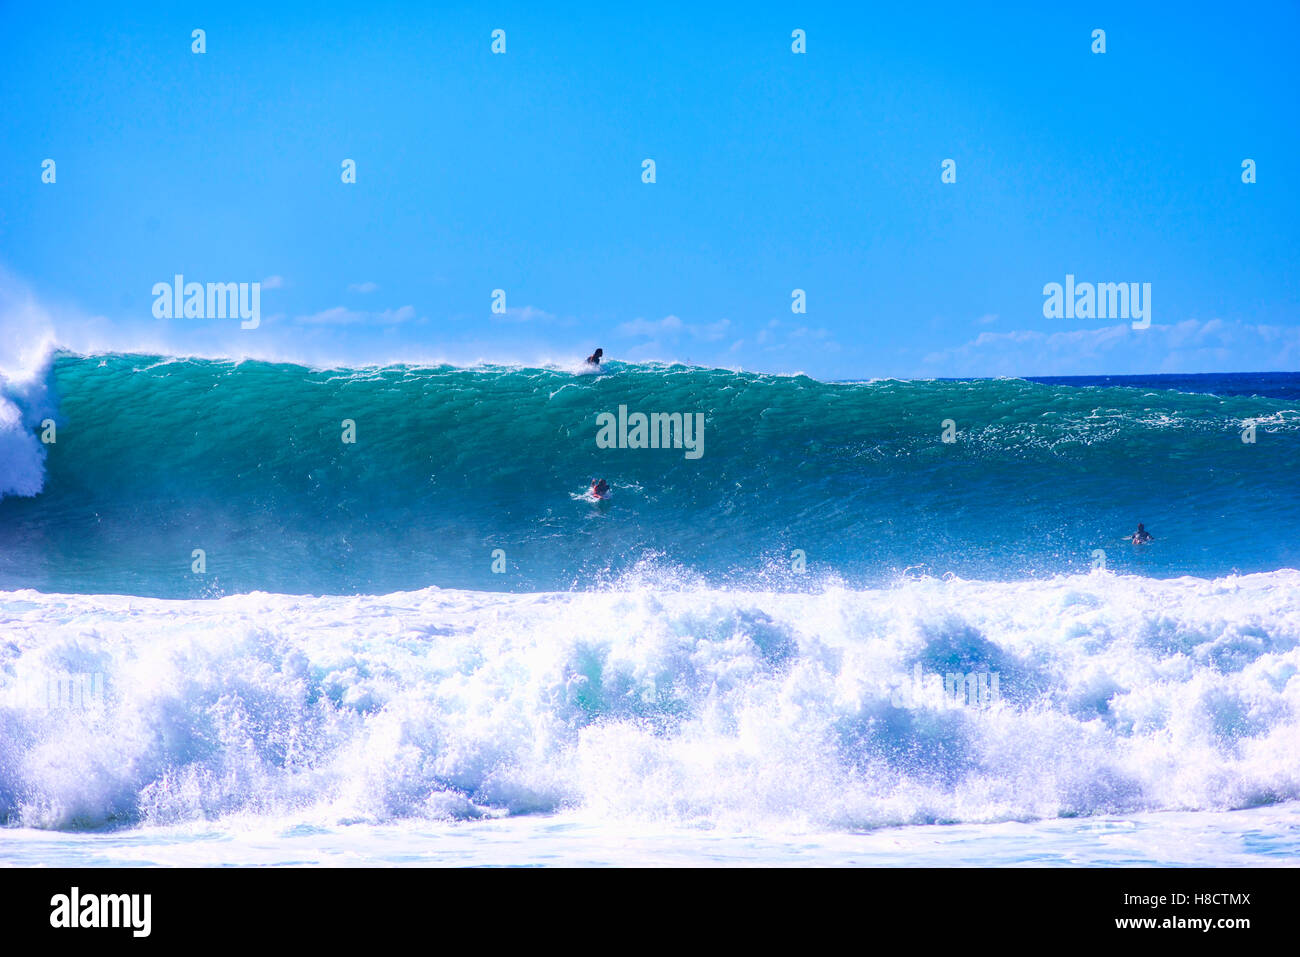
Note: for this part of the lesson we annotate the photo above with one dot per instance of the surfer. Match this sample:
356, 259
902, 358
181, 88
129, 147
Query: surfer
594, 358
599, 487
1141, 536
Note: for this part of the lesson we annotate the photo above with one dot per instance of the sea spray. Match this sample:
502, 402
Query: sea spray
766, 711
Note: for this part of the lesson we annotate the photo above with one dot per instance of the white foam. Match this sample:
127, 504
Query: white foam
761, 710
25, 402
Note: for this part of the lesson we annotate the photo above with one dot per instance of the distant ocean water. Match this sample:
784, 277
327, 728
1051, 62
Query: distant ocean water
349, 669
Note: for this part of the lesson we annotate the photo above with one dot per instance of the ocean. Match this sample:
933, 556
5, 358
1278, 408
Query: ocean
253, 612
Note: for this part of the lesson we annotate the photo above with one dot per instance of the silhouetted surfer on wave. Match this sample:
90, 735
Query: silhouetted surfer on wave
594, 358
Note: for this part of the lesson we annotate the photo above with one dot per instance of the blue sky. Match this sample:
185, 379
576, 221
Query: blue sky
775, 171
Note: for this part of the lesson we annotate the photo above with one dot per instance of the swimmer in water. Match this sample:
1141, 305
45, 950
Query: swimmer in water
1141, 536
599, 488
594, 358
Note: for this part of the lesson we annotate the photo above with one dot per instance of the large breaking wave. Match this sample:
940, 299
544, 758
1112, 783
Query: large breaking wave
157, 457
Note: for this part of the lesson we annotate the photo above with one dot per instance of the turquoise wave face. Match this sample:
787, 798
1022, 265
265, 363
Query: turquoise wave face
455, 472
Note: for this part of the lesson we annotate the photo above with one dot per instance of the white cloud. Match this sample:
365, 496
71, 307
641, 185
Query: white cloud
711, 332
343, 316
527, 314
667, 326
1193, 345
672, 328
363, 287
273, 282
669, 338
778, 337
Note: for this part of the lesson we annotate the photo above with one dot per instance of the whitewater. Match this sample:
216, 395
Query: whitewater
756, 714
651, 682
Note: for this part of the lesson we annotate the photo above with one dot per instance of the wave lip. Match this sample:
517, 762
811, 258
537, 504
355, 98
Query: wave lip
26, 401
1116, 695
